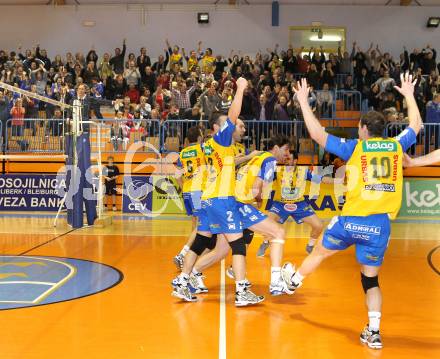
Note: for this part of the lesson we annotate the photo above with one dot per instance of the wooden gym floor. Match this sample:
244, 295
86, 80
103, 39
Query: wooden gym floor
137, 318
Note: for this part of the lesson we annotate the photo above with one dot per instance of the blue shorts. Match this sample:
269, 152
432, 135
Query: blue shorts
298, 211
192, 202
250, 215
222, 215
369, 234
203, 223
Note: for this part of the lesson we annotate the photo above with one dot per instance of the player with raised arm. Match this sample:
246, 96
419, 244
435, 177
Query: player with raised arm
218, 201
374, 196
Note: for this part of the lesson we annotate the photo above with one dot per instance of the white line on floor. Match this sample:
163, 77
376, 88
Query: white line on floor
222, 323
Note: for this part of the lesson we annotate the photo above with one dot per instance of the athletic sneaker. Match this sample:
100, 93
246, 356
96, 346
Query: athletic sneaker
246, 297
182, 291
371, 338
309, 248
262, 250
178, 261
230, 274
196, 282
287, 272
280, 287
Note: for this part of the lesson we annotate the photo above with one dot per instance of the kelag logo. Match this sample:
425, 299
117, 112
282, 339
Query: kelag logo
31, 281
421, 198
379, 146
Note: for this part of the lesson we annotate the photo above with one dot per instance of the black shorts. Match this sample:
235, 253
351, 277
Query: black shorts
110, 188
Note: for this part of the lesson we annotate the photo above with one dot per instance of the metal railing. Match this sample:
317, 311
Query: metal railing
427, 140
35, 135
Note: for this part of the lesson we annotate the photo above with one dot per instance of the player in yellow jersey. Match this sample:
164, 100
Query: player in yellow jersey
218, 202
251, 184
289, 201
374, 195
191, 162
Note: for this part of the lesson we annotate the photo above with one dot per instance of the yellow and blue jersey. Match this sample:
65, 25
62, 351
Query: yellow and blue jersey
219, 155
374, 172
191, 161
262, 166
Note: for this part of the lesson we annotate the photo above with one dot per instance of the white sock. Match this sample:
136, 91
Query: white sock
297, 278
374, 322
240, 285
275, 274
312, 241
184, 251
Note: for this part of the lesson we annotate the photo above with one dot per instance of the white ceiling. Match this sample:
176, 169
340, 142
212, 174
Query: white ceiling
243, 2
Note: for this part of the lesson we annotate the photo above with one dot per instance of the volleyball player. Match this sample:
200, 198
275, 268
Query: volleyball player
289, 201
374, 196
191, 161
251, 184
219, 205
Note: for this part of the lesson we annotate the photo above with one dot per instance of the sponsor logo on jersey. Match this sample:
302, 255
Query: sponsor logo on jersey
253, 218
289, 193
381, 187
361, 228
208, 150
290, 207
189, 154
379, 146
231, 225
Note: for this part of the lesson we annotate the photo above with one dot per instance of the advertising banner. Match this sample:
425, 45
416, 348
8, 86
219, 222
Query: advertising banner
30, 192
421, 198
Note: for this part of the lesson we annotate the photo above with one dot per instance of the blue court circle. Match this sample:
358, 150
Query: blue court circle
29, 281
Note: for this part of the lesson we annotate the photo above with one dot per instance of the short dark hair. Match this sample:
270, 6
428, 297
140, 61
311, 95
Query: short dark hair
193, 134
375, 122
277, 140
215, 119
110, 158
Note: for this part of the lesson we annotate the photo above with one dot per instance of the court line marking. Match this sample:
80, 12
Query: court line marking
27, 282
55, 286
222, 322
429, 257
44, 243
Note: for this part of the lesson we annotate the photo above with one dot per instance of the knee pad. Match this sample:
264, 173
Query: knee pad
212, 242
369, 282
238, 247
248, 235
200, 244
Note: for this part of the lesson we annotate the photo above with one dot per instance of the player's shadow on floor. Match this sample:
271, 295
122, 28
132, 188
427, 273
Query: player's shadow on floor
428, 343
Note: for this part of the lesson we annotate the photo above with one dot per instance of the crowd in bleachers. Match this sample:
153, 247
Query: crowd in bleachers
182, 84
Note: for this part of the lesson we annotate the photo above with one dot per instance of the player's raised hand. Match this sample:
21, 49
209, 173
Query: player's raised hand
302, 91
242, 83
407, 84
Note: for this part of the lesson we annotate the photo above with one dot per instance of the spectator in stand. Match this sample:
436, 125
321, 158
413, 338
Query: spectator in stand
89, 73
39, 78
148, 79
328, 76
132, 75
143, 60
133, 93
105, 68
57, 123
325, 101
428, 62
4, 112
224, 104
432, 117
208, 100
161, 64
385, 83
117, 61
17, 114
346, 60
144, 108
182, 96
313, 76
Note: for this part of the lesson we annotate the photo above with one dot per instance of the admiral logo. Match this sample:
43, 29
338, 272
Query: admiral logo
359, 228
208, 150
381, 187
189, 154
379, 146
231, 226
253, 218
